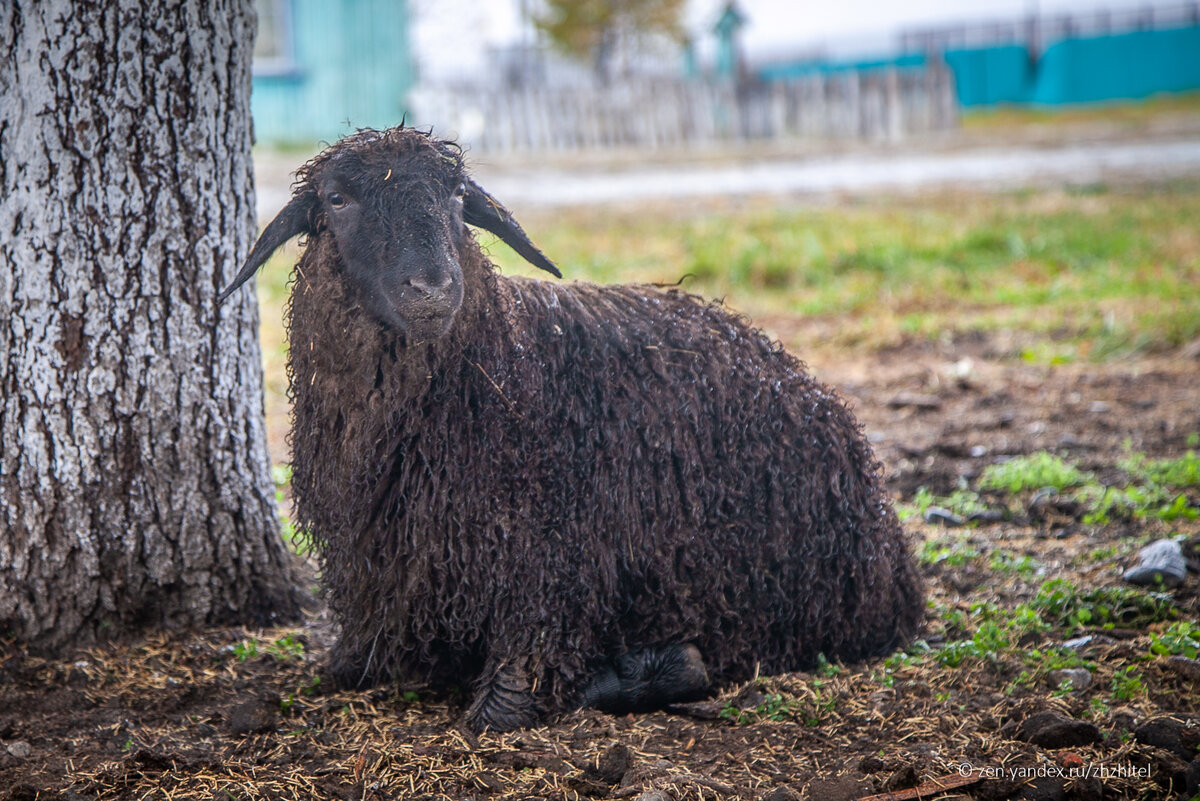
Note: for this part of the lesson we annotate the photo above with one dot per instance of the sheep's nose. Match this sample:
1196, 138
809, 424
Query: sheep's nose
430, 285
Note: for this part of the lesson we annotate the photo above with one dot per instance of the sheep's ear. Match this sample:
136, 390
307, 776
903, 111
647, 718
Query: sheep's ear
291, 221
483, 210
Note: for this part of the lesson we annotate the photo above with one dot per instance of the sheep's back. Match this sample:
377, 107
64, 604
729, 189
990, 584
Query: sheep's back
738, 494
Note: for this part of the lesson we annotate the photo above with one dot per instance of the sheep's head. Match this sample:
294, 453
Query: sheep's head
396, 203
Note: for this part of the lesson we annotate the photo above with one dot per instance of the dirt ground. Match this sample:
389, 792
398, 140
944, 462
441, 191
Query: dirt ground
237, 714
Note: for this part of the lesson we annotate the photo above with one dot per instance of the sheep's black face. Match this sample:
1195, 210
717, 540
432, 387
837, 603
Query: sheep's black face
398, 228
396, 203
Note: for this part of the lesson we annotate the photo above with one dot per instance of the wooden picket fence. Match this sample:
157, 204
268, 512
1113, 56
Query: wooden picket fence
663, 113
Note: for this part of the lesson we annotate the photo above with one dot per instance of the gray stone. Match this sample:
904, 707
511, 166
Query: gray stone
1080, 678
254, 716
1160, 561
1052, 730
943, 517
1188, 668
20, 749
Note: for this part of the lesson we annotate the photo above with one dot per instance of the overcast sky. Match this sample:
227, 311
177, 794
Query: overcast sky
450, 35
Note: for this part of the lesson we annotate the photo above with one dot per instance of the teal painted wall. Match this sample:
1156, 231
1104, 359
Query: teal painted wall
1130, 65
987, 76
352, 67
1115, 67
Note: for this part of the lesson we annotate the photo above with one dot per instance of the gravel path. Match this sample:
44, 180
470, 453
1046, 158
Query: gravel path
993, 167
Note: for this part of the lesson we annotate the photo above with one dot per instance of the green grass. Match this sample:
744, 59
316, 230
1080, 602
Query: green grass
1130, 114
1107, 273
1062, 604
1025, 642
1034, 471
951, 554
1154, 488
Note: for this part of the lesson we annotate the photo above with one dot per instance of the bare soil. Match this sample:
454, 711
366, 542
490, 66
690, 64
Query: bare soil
184, 715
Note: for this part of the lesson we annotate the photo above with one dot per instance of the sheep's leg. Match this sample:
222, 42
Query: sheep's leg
650, 679
506, 702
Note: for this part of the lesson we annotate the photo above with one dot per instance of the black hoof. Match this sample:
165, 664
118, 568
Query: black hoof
505, 704
650, 679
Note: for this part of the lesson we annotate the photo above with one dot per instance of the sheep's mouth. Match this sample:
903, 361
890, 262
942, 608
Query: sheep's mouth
418, 329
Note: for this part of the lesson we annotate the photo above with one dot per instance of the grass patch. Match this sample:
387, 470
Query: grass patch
1182, 472
1107, 272
1155, 488
1059, 610
1035, 471
1064, 606
952, 554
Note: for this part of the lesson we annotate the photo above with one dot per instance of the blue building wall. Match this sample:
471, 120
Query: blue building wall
351, 67
1114, 67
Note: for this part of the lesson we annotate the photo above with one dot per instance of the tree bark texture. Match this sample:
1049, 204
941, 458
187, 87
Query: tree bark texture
134, 475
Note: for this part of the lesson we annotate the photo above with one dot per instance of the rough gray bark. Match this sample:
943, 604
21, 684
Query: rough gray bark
134, 476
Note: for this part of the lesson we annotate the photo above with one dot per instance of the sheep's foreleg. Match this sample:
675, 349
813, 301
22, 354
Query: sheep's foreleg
506, 702
650, 679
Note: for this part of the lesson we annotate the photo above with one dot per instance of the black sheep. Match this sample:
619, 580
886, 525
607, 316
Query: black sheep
558, 494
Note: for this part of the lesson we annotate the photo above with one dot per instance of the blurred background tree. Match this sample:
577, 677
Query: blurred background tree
606, 32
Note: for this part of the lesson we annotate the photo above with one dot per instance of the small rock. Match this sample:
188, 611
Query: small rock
1080, 678
1052, 730
613, 764
839, 788
1192, 778
1047, 788
489, 781
781, 793
871, 764
1048, 504
645, 773
902, 779
653, 795
23, 792
1161, 560
1188, 668
943, 517
1169, 770
1087, 788
915, 400
20, 749
254, 716
1169, 734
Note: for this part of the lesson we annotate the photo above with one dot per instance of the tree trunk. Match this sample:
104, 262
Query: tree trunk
134, 475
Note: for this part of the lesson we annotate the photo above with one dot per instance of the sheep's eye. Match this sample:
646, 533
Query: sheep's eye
337, 200
460, 191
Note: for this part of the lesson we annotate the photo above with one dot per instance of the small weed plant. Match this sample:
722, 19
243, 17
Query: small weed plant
1178, 639
1127, 684
246, 649
283, 649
